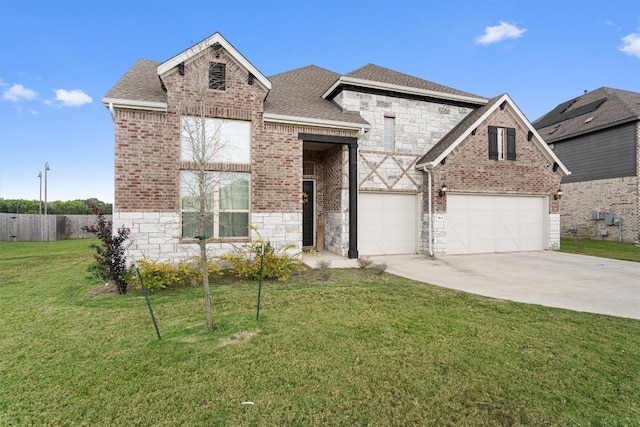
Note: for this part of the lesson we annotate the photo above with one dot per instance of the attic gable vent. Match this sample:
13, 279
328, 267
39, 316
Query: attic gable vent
217, 76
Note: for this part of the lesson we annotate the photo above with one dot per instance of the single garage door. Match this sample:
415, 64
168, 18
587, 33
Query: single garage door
387, 223
480, 224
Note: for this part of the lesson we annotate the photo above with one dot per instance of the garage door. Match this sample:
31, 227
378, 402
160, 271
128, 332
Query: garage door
479, 224
387, 223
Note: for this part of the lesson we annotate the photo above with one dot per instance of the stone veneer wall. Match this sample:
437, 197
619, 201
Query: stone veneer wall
156, 235
419, 125
336, 228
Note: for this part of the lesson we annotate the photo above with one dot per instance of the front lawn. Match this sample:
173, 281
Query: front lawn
349, 350
600, 248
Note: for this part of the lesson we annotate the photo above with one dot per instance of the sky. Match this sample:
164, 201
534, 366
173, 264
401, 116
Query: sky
59, 58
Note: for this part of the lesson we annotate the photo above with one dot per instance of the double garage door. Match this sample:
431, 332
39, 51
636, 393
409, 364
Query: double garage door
478, 224
388, 223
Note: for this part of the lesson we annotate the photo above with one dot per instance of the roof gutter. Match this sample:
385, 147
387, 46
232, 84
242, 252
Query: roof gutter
343, 80
130, 104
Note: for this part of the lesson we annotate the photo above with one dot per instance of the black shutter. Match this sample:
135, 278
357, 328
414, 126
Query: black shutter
493, 143
217, 76
511, 144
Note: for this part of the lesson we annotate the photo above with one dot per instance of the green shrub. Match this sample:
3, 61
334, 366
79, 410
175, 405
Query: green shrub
162, 275
244, 261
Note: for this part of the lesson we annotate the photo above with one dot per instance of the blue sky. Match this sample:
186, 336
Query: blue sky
59, 58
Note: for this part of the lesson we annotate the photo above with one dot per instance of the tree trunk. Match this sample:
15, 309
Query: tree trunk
205, 284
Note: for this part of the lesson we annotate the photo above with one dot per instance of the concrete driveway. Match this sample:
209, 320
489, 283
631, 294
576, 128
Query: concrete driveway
553, 279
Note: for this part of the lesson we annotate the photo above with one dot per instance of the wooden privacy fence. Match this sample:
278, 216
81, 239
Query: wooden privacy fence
30, 228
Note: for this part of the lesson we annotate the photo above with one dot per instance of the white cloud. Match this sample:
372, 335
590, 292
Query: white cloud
72, 98
19, 93
631, 45
500, 32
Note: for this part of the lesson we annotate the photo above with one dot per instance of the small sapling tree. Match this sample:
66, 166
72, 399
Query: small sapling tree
214, 197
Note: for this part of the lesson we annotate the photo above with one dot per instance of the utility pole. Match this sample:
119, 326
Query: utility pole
40, 205
46, 168
46, 219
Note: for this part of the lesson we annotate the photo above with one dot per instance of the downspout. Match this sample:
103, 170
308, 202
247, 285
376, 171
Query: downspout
430, 202
112, 111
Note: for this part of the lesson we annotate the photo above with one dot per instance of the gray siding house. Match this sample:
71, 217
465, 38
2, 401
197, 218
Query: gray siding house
597, 136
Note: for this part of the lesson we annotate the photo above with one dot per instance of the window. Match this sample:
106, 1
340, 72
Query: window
215, 140
226, 204
308, 168
217, 76
501, 141
389, 133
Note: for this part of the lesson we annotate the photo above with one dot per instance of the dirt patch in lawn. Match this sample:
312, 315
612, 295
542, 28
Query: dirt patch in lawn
237, 338
106, 289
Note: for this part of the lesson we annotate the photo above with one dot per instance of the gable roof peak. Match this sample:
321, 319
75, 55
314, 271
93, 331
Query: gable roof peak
310, 67
471, 122
212, 40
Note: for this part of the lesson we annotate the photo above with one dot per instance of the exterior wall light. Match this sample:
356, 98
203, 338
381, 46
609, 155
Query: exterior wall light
558, 195
443, 190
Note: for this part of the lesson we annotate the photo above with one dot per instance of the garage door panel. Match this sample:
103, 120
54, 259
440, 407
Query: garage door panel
490, 223
387, 223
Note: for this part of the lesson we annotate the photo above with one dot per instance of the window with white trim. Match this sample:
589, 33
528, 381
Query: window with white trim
502, 143
389, 133
226, 204
207, 139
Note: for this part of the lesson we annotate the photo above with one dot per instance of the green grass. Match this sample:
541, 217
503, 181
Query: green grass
601, 248
356, 349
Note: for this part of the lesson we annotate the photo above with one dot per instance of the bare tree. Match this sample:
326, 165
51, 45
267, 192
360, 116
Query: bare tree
210, 193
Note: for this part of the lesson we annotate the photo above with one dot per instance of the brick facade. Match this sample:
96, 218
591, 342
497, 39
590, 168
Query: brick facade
468, 169
148, 158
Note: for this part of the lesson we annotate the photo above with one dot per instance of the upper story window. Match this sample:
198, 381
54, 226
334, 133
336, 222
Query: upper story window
206, 139
389, 133
502, 143
217, 76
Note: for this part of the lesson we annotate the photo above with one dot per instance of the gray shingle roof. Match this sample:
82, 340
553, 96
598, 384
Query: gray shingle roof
384, 75
451, 137
139, 83
299, 93
605, 107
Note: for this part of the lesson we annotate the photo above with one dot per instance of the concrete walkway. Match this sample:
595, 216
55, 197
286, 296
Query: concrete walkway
549, 278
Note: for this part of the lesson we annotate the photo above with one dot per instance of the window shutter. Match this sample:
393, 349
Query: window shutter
511, 144
217, 76
493, 143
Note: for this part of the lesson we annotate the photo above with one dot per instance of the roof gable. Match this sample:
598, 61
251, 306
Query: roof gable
596, 110
374, 77
198, 48
468, 125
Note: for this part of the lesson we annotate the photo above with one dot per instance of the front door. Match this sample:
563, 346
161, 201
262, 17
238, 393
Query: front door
308, 214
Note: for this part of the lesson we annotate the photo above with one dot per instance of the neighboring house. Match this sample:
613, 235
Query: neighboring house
597, 135
328, 161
